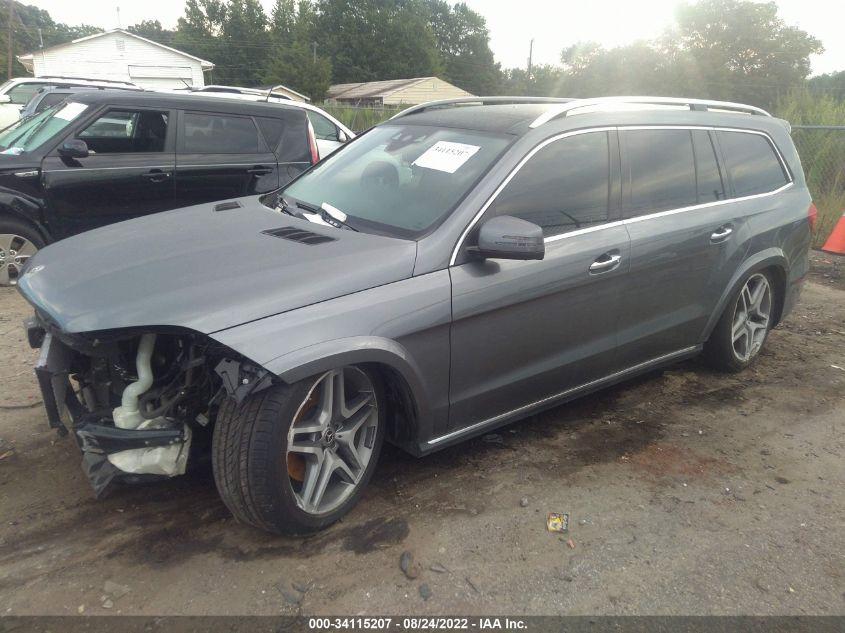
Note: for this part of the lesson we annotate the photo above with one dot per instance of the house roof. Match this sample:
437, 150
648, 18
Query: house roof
205, 64
372, 89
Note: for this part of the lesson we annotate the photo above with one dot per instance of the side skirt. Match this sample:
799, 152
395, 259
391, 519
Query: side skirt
549, 402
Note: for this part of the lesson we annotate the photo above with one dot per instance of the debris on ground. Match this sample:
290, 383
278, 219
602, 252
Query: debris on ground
472, 585
438, 568
408, 565
425, 591
290, 593
557, 522
571, 544
523, 502
115, 590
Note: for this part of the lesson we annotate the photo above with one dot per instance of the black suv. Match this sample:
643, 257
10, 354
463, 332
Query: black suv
106, 156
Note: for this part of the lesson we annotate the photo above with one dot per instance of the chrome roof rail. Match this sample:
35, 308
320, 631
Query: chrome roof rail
693, 104
498, 100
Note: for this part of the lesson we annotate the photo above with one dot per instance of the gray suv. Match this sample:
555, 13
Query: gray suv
454, 269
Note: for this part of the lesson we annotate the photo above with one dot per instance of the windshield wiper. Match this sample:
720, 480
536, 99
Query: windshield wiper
335, 217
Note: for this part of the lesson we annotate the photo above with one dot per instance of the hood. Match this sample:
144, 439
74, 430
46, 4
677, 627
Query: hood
203, 269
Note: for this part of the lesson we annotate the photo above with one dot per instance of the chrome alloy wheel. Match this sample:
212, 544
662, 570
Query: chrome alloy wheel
14, 251
751, 317
331, 440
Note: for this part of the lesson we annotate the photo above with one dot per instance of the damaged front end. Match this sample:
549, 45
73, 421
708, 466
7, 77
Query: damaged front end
139, 402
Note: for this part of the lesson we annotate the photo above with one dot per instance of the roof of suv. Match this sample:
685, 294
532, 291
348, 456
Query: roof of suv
518, 115
189, 102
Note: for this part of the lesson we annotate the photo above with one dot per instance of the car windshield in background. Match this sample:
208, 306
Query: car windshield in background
27, 134
399, 179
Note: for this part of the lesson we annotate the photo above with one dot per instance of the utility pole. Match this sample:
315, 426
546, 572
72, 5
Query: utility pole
314, 48
9, 41
40, 38
530, 56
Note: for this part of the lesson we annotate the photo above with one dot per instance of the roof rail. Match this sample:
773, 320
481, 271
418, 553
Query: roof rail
66, 78
498, 100
693, 104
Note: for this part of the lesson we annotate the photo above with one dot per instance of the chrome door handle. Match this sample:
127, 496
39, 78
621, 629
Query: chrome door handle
721, 234
605, 263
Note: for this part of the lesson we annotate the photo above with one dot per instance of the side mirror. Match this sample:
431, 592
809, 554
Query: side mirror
507, 237
5, 99
342, 137
74, 148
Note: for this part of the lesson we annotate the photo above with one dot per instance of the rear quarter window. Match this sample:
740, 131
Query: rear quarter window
752, 164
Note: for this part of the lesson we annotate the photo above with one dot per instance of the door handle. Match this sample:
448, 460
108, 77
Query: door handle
721, 234
259, 170
605, 263
156, 175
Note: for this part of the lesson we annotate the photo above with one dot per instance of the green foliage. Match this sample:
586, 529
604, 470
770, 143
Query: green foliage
822, 152
25, 38
152, 30
359, 119
832, 84
369, 40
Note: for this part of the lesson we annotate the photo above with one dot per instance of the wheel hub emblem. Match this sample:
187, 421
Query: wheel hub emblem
329, 436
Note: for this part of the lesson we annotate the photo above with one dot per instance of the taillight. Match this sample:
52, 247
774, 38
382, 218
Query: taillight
312, 144
812, 216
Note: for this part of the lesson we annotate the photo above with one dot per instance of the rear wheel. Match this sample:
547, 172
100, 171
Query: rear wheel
18, 242
744, 325
295, 458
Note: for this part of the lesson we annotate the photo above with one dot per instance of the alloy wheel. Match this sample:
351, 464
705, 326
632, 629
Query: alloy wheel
751, 317
14, 251
331, 440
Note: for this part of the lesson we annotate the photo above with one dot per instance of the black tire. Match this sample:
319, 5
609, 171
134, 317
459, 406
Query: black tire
719, 349
13, 226
249, 452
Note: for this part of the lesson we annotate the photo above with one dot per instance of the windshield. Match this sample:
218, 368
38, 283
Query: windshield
399, 179
29, 133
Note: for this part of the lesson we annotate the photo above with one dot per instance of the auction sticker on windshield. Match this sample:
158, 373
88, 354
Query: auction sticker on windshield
446, 156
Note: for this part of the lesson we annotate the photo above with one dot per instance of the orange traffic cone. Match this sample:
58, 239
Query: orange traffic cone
836, 242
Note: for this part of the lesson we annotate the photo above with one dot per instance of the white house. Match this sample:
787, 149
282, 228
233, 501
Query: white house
121, 55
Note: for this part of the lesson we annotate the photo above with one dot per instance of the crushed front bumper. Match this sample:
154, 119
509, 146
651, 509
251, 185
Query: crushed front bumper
96, 440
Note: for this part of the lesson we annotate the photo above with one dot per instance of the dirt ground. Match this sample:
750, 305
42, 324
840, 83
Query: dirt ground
689, 492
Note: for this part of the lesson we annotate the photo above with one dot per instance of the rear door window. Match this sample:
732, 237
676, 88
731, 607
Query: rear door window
658, 171
564, 187
708, 177
751, 163
219, 134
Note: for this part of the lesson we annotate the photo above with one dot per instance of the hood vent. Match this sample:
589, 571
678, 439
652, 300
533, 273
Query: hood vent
225, 206
299, 235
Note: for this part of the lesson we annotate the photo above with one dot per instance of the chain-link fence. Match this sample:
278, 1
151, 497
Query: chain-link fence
822, 152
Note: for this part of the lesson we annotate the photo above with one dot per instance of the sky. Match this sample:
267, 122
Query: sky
553, 24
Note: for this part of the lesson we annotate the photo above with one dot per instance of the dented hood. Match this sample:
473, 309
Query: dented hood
203, 269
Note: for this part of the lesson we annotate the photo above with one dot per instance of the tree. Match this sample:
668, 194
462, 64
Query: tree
32, 25
152, 30
830, 84
463, 43
739, 50
293, 61
368, 40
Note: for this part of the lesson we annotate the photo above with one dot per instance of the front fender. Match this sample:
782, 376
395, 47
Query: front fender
353, 350
23, 207
767, 258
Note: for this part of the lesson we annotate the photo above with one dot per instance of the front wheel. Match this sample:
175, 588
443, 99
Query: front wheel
18, 242
293, 459
744, 325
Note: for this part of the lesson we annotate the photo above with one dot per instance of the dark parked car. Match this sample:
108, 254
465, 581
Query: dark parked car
452, 270
106, 156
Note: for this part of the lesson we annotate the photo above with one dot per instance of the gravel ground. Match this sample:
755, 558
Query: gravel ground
689, 492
